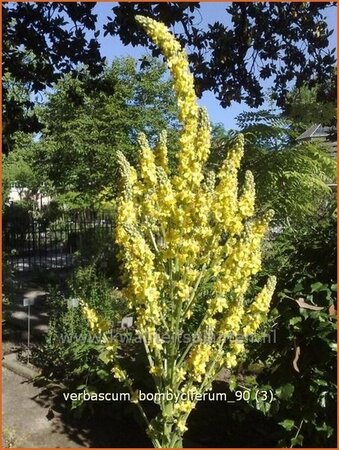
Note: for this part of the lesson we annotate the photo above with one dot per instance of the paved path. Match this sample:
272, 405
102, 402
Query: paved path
38, 417
27, 416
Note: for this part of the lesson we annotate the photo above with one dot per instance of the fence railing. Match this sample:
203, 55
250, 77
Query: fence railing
33, 243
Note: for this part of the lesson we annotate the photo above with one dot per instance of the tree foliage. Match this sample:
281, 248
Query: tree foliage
316, 105
282, 42
18, 168
40, 45
87, 121
41, 42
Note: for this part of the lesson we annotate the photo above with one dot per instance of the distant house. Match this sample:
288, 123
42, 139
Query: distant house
17, 195
320, 133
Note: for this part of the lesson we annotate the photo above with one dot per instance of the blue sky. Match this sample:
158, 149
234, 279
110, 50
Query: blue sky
210, 12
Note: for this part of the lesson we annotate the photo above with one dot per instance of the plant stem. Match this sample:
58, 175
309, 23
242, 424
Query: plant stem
194, 291
298, 431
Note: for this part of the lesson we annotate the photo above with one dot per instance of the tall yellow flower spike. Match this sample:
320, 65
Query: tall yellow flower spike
189, 245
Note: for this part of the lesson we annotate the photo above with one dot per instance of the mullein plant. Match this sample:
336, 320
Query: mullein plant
181, 235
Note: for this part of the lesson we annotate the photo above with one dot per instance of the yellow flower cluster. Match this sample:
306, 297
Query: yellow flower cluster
147, 163
177, 63
160, 151
143, 280
235, 348
258, 310
156, 371
101, 326
184, 406
180, 232
191, 118
231, 322
119, 373
242, 258
198, 359
172, 228
97, 324
246, 200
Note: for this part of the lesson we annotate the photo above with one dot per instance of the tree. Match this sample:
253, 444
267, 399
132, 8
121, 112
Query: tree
283, 41
39, 46
86, 121
17, 113
18, 168
316, 105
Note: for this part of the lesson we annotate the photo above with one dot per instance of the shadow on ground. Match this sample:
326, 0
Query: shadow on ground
103, 427
213, 424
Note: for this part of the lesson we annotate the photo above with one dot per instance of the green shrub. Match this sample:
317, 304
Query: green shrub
300, 366
70, 354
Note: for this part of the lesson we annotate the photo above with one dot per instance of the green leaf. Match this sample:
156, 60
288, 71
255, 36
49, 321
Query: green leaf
264, 407
297, 440
288, 424
104, 357
321, 382
317, 287
285, 392
298, 287
295, 320
333, 346
103, 374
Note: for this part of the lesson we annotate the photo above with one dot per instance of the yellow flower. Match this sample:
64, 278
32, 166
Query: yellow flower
184, 407
237, 347
181, 425
180, 374
119, 373
111, 348
216, 305
156, 370
210, 323
231, 322
230, 360
183, 290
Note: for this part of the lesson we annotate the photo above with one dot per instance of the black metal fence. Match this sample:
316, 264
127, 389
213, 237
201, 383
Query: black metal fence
30, 243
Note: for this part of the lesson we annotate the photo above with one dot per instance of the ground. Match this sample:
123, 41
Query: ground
27, 421
34, 417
